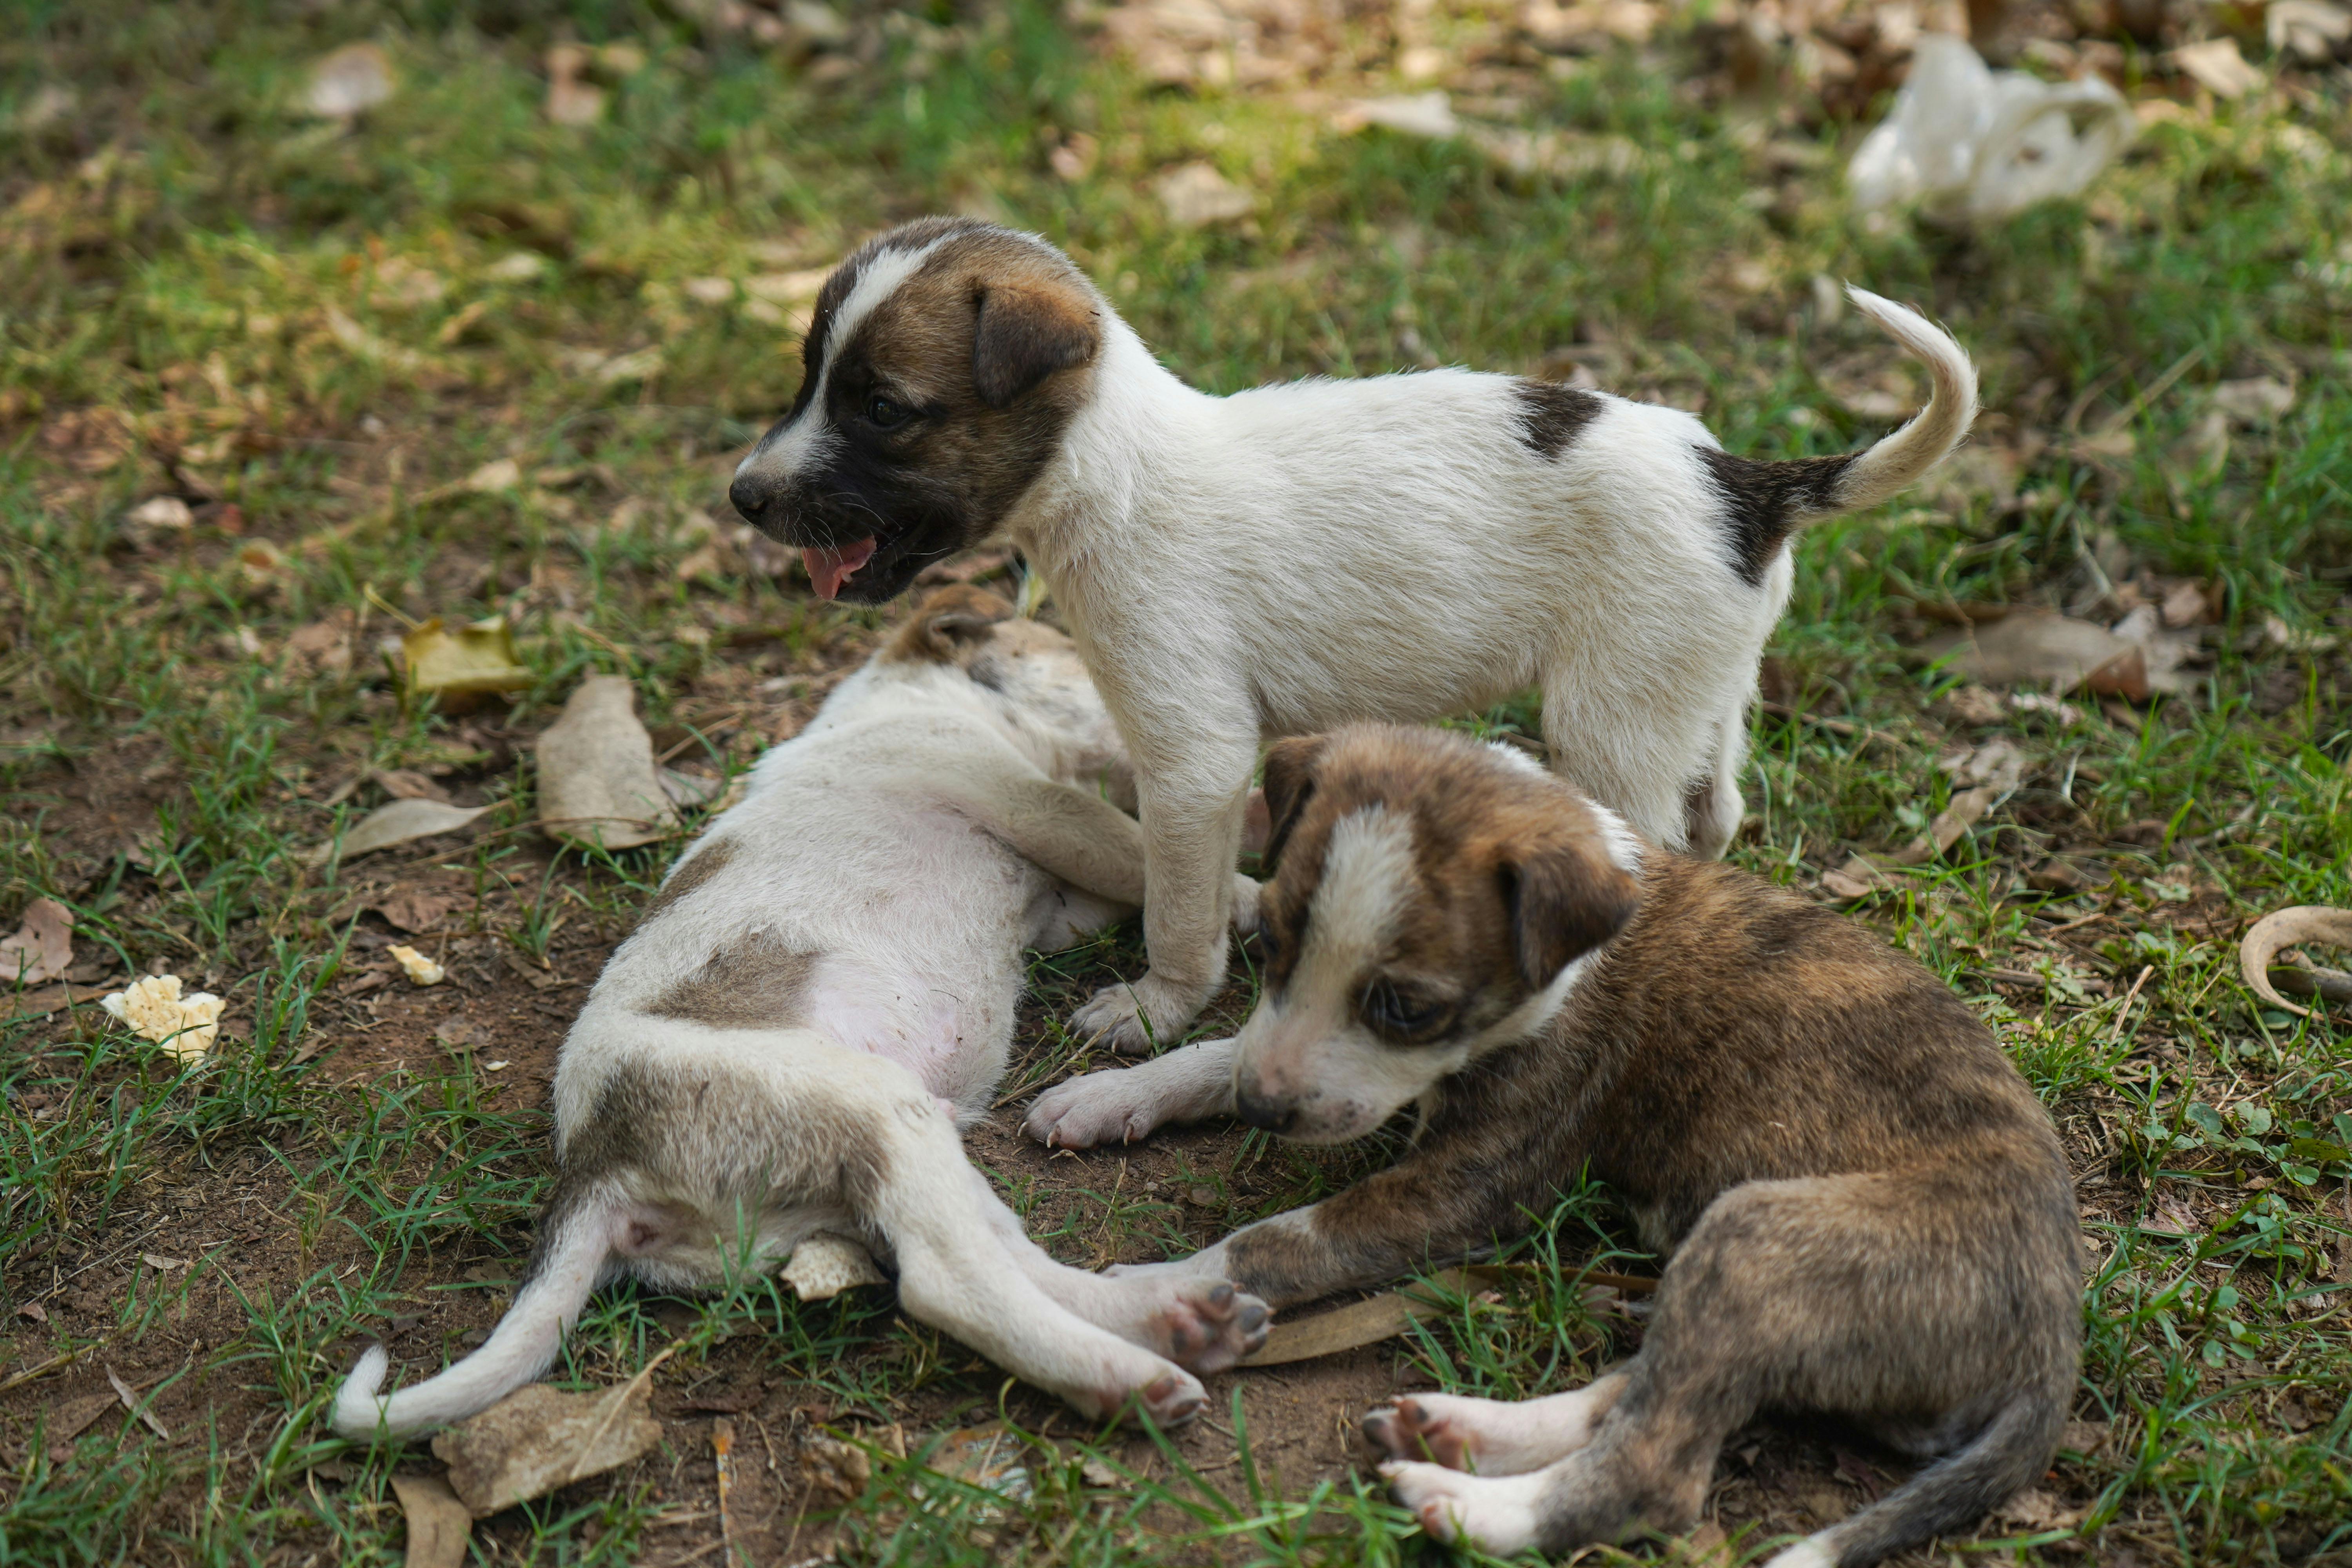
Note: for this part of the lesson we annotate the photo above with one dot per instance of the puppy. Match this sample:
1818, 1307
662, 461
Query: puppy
1296, 557
822, 990
1867, 1210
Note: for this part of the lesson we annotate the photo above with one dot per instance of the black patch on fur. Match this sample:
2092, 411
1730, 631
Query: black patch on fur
1551, 415
1762, 502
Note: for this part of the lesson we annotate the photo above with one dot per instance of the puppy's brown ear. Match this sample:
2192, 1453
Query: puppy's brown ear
1563, 902
1024, 336
948, 624
1289, 784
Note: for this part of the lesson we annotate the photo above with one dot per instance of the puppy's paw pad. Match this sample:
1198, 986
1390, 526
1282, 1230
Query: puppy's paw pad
1173, 1399
1422, 1429
1087, 1113
1209, 1326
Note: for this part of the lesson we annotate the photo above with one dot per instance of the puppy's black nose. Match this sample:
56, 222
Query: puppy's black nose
1275, 1118
749, 496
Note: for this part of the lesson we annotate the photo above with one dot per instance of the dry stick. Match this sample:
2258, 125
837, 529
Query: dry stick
1845, 727
2115, 1030
722, 1445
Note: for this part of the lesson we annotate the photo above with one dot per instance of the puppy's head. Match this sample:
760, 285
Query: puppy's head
1030, 676
1432, 902
941, 365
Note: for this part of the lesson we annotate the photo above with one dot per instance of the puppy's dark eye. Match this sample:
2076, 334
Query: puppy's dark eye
1401, 1012
885, 415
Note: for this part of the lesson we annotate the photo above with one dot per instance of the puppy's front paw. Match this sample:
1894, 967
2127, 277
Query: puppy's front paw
1208, 1325
1132, 1019
1499, 1516
1114, 1107
1246, 893
1174, 1399
1419, 1429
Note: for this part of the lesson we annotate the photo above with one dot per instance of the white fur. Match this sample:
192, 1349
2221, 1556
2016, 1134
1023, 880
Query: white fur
1496, 1512
1813, 1551
911, 837
1293, 557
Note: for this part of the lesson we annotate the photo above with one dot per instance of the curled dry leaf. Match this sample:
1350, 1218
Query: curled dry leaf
1366, 1323
1196, 195
2042, 648
466, 661
439, 1524
597, 783
420, 970
823, 1266
540, 1438
42, 948
2217, 65
163, 512
185, 1026
399, 823
414, 909
2285, 929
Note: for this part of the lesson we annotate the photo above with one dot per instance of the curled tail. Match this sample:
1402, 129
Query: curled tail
1764, 502
1951, 1494
578, 1236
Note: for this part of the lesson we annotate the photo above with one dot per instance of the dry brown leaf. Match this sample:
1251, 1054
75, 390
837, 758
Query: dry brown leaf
407, 783
570, 101
2310, 30
1366, 1323
131, 1401
42, 948
71, 1419
467, 662
1845, 883
596, 778
1196, 195
540, 1438
2042, 648
416, 909
399, 823
439, 1524
2257, 400
2284, 929
46, 1000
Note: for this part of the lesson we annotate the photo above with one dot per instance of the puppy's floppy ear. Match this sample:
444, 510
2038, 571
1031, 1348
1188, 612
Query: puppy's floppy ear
1289, 784
948, 624
1563, 902
1024, 336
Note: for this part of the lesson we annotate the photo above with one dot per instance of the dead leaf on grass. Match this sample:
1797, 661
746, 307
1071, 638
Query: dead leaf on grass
2217, 65
1381, 1317
1196, 195
2310, 30
407, 783
2257, 400
414, 909
987, 1456
1427, 114
540, 1438
71, 1419
2043, 648
131, 1401
2290, 928
597, 783
2037, 1510
570, 101
167, 514
468, 660
823, 1266
400, 823
42, 948
439, 1524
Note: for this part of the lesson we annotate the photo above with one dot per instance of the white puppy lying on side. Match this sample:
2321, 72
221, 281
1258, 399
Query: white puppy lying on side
823, 991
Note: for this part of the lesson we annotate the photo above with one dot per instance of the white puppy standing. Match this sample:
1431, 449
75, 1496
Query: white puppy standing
1296, 557
824, 989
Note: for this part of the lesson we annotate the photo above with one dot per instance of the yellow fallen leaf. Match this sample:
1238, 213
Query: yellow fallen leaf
421, 970
470, 659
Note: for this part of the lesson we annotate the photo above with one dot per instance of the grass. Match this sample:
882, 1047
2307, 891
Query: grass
315, 333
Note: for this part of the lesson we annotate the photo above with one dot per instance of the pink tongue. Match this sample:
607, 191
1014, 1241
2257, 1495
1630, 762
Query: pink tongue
829, 569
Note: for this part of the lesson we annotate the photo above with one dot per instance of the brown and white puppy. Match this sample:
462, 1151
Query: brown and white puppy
1867, 1210
1298, 556
823, 990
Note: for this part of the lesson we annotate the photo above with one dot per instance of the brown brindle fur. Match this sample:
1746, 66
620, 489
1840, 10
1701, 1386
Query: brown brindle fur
1867, 1210
759, 982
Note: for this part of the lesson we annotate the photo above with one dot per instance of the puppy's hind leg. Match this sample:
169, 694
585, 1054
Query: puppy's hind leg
1624, 762
955, 1273
1712, 807
1491, 1437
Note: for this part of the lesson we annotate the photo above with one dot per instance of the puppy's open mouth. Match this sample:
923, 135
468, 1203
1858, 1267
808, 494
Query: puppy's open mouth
829, 566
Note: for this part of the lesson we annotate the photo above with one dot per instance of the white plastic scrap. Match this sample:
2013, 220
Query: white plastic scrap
421, 970
1977, 144
183, 1026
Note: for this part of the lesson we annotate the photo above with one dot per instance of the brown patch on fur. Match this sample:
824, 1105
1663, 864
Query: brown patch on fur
947, 626
757, 983
1552, 416
690, 873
